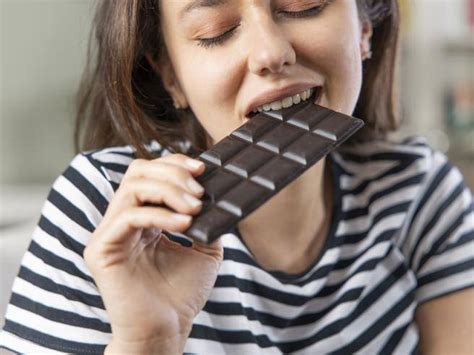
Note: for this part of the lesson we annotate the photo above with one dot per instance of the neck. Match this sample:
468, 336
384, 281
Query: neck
293, 222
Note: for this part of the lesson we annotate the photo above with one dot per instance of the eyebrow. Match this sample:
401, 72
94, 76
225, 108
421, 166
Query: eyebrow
198, 4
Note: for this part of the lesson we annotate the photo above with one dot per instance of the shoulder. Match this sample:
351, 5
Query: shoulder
411, 193
395, 165
88, 183
408, 180
112, 162
381, 155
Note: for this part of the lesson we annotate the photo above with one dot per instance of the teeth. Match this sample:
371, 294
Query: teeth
276, 105
286, 102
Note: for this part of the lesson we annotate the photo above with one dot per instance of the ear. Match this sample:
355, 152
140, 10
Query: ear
365, 38
165, 70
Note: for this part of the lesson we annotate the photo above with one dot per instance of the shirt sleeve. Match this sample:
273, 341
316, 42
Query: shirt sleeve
55, 305
440, 248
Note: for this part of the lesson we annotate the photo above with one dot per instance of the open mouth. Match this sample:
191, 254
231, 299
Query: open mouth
313, 94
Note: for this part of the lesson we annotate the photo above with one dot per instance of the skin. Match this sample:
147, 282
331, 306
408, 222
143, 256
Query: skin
446, 324
268, 50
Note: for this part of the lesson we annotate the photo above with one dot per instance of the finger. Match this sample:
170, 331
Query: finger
191, 164
194, 166
141, 191
164, 171
130, 220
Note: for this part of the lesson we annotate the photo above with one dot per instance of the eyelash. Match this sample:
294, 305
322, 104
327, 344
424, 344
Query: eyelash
215, 41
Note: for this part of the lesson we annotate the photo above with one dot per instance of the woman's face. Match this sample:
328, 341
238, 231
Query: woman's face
229, 56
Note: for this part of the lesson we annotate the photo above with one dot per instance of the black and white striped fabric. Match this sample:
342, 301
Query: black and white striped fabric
402, 234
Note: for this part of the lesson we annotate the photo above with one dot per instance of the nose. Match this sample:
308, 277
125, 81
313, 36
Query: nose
270, 50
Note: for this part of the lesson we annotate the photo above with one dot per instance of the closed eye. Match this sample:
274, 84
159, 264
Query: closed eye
214, 41
308, 12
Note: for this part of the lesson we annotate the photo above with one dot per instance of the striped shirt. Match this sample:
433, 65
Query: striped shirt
402, 234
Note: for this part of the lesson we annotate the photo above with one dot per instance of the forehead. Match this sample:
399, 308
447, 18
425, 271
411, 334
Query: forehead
186, 7
190, 5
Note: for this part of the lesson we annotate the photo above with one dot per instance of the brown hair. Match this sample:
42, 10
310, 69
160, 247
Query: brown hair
123, 101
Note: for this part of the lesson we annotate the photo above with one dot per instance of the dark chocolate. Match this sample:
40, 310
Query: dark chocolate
261, 157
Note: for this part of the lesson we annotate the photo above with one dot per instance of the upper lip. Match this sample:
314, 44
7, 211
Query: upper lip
276, 95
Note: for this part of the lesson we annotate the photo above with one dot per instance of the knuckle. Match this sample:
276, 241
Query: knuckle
127, 190
129, 183
137, 163
182, 157
190, 205
172, 197
186, 209
155, 218
128, 217
135, 166
184, 175
177, 158
128, 220
176, 170
177, 175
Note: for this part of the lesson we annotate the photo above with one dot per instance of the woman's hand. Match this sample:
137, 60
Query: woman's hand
152, 287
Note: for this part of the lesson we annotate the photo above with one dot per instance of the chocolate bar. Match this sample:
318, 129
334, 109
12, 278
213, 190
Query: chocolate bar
258, 159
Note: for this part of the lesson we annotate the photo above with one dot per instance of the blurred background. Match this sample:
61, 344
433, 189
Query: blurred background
42, 53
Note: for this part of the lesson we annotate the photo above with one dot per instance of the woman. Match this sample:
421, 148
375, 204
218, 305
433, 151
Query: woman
368, 251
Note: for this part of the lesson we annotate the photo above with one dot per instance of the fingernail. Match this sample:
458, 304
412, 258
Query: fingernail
181, 217
194, 163
194, 186
191, 200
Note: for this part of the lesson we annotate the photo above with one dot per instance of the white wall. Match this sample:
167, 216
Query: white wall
42, 55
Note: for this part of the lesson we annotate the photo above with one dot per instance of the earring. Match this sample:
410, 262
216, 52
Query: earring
366, 55
176, 105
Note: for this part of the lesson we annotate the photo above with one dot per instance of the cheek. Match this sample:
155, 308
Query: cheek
210, 82
334, 52
209, 76
210, 86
